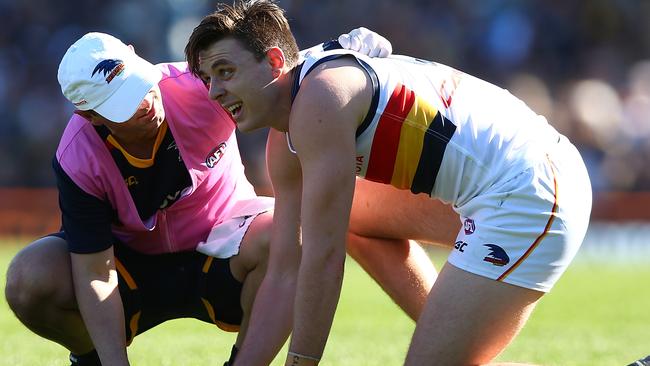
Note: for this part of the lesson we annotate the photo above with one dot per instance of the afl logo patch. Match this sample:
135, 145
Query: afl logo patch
215, 155
469, 226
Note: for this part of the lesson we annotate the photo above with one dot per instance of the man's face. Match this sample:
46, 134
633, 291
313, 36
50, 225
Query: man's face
143, 125
239, 82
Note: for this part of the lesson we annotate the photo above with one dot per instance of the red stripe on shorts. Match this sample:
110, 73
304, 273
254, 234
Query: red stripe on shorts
543, 234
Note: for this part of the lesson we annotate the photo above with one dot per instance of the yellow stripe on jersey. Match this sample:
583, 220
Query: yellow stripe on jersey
411, 140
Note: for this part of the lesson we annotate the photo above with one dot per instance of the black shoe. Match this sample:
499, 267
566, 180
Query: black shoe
233, 354
641, 362
89, 359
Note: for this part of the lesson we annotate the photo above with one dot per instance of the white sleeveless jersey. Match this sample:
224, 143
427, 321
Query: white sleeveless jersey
433, 129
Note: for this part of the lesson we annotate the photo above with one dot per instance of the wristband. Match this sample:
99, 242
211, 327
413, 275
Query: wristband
294, 354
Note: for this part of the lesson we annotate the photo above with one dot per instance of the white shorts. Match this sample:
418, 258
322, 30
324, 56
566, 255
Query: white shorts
527, 230
225, 237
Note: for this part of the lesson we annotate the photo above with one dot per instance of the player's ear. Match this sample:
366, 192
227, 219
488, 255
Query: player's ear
275, 58
131, 47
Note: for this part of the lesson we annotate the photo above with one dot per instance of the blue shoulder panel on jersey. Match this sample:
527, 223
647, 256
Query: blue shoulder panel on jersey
86, 219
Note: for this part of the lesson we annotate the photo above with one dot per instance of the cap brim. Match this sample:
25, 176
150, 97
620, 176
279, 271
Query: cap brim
124, 102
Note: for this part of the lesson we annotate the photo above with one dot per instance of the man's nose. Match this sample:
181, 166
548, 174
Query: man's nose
216, 91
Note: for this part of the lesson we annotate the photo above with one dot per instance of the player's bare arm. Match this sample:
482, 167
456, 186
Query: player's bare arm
271, 319
95, 284
325, 114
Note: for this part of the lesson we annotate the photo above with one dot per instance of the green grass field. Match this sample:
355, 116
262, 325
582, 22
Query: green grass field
596, 315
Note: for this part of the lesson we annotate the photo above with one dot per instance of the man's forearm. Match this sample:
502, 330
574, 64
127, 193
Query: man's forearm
318, 291
270, 322
100, 305
104, 319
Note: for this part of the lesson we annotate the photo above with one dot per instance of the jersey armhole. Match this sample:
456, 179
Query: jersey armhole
372, 110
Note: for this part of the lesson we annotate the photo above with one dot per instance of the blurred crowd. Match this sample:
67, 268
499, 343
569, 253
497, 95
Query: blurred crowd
585, 65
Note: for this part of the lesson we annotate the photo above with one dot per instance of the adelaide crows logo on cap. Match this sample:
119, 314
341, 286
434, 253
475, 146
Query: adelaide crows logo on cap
497, 255
110, 67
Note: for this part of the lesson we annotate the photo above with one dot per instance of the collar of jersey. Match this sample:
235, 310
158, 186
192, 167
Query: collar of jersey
137, 162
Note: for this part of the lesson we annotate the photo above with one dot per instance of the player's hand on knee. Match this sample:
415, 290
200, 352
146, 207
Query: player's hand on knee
367, 42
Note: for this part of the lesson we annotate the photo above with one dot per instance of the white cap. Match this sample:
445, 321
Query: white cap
101, 73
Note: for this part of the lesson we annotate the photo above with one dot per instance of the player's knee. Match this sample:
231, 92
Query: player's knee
254, 250
19, 289
263, 236
355, 245
27, 289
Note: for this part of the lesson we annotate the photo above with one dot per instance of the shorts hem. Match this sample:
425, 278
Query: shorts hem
511, 281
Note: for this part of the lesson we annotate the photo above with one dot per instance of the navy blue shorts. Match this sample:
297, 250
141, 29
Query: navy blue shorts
157, 288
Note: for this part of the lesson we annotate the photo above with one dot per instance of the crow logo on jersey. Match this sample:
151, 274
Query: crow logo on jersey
497, 255
110, 67
215, 155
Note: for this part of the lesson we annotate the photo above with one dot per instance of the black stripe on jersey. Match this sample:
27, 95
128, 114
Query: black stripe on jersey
435, 142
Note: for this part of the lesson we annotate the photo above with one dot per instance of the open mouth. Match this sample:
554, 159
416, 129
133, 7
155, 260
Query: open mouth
234, 110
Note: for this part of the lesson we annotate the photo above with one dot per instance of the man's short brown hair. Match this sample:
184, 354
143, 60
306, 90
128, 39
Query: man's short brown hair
258, 24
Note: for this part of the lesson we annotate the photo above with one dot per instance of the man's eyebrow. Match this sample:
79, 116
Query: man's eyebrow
218, 62
214, 60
